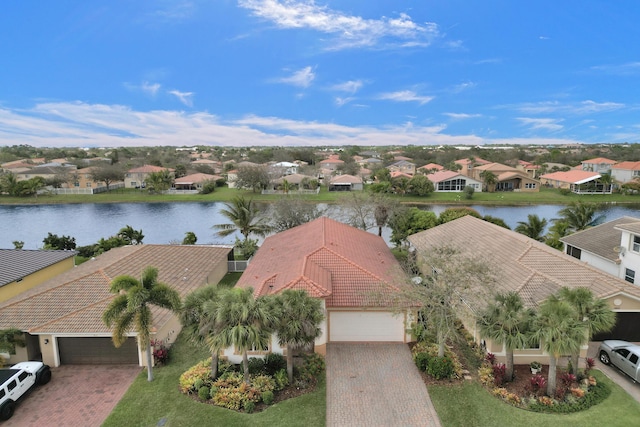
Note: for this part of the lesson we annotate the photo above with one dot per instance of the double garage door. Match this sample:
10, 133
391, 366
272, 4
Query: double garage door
96, 351
365, 326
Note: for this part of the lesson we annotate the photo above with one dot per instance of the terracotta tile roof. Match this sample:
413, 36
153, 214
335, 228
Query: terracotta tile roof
196, 178
521, 264
634, 166
329, 260
496, 167
73, 302
16, 264
397, 174
432, 166
476, 160
443, 176
573, 176
148, 169
346, 179
599, 160
331, 160
601, 239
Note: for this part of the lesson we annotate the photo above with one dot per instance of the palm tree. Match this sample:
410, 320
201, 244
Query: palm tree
593, 312
244, 217
533, 228
490, 179
243, 322
199, 321
401, 185
131, 236
506, 321
382, 208
579, 215
130, 308
299, 318
559, 333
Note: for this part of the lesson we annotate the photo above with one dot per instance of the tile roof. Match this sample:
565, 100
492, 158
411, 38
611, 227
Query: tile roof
599, 160
634, 166
498, 167
432, 166
16, 264
346, 179
73, 302
148, 169
196, 178
573, 176
601, 239
520, 264
398, 174
443, 176
631, 227
328, 259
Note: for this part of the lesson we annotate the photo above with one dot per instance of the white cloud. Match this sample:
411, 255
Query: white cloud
150, 88
538, 123
626, 69
300, 78
583, 107
342, 101
462, 87
184, 97
173, 11
351, 86
405, 96
349, 30
462, 116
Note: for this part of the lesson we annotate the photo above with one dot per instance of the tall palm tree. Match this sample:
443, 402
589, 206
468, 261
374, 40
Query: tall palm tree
593, 312
299, 318
243, 322
507, 321
579, 215
199, 321
490, 180
245, 218
533, 228
130, 308
559, 333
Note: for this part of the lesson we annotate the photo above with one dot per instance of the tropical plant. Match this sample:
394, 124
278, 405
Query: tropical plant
559, 333
131, 308
420, 185
507, 321
533, 227
591, 311
242, 321
289, 212
10, 338
299, 317
579, 215
160, 181
130, 236
245, 218
490, 180
189, 238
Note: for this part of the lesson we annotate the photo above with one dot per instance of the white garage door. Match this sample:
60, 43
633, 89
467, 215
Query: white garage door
365, 326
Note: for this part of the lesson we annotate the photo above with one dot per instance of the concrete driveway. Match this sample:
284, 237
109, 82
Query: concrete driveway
614, 374
376, 385
76, 396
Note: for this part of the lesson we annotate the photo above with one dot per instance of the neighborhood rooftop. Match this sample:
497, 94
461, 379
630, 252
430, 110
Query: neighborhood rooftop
602, 239
16, 264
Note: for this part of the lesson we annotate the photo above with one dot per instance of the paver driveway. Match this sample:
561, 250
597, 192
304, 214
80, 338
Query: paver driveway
76, 396
376, 385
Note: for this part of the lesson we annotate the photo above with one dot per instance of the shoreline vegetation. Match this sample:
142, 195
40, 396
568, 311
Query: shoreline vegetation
224, 194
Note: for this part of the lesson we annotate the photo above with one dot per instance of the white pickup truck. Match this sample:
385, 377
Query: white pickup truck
17, 380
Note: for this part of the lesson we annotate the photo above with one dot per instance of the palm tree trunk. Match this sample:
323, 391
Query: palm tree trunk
290, 363
214, 364
509, 364
245, 365
149, 363
575, 360
551, 378
440, 344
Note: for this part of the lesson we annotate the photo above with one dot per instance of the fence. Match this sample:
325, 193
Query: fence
237, 266
316, 191
79, 190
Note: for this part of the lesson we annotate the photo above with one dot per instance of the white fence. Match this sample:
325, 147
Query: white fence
237, 266
79, 190
316, 191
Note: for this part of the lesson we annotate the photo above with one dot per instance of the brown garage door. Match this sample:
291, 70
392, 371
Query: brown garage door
96, 351
626, 328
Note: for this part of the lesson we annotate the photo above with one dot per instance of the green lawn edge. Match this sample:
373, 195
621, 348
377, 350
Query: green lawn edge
471, 405
149, 403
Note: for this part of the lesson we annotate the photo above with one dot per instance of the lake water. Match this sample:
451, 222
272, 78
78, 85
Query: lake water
168, 222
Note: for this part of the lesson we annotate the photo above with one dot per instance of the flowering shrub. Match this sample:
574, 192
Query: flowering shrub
201, 371
160, 352
577, 392
499, 373
485, 373
537, 384
491, 358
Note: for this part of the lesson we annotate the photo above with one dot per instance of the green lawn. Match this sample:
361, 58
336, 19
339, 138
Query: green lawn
224, 194
145, 404
470, 405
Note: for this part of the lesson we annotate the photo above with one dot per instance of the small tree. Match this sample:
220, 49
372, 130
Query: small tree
107, 174
256, 178
533, 227
18, 244
245, 218
289, 212
189, 238
62, 243
130, 236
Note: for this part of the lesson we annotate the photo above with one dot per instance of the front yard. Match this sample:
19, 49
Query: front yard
161, 403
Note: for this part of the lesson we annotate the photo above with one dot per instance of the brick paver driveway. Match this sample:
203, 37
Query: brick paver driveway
376, 385
76, 396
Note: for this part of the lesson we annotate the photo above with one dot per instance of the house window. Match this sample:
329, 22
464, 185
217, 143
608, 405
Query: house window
636, 173
530, 185
89, 184
629, 275
636, 243
573, 251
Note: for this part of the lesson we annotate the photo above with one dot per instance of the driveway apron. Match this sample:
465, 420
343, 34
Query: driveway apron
376, 385
79, 395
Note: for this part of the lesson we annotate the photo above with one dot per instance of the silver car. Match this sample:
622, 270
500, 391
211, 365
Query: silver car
623, 355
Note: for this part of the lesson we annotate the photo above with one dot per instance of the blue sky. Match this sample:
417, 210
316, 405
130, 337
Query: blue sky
305, 73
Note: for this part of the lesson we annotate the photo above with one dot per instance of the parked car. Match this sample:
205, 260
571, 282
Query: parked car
623, 355
17, 380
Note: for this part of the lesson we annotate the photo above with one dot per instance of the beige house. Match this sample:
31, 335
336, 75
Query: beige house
195, 181
62, 317
345, 183
134, 178
342, 266
403, 166
508, 178
526, 266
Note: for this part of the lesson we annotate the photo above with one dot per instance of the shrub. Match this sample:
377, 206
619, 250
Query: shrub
440, 367
263, 383
422, 360
256, 365
229, 380
312, 367
499, 373
160, 352
589, 364
281, 378
468, 192
204, 393
228, 398
198, 383
267, 397
249, 406
274, 362
200, 371
567, 379
208, 187
491, 358
537, 384
485, 373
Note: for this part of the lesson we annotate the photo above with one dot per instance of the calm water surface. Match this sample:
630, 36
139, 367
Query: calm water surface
168, 222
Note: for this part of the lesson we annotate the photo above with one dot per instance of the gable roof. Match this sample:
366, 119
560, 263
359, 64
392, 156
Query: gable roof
73, 302
599, 160
573, 176
326, 258
444, 175
521, 264
601, 239
497, 167
16, 264
429, 166
634, 166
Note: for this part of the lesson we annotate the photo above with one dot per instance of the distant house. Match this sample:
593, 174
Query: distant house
345, 183
533, 270
403, 166
45, 172
450, 181
599, 165
62, 317
508, 178
430, 168
332, 163
398, 174
529, 168
195, 181
135, 178
21, 269
339, 264
467, 165
285, 168
578, 181
625, 171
